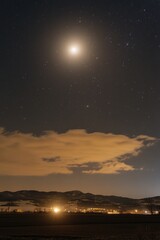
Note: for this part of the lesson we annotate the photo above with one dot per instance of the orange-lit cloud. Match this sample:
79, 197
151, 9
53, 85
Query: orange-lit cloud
101, 153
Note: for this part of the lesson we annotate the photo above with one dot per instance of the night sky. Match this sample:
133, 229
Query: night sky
89, 121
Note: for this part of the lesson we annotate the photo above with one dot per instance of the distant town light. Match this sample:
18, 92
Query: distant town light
56, 210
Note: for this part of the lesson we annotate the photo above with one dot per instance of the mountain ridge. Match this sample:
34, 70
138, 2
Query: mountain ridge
69, 195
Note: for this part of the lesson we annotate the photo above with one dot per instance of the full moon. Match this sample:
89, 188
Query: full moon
74, 50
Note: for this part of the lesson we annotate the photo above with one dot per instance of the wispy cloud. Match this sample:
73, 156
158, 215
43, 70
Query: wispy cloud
101, 153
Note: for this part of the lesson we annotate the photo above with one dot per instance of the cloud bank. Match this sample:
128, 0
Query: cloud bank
51, 153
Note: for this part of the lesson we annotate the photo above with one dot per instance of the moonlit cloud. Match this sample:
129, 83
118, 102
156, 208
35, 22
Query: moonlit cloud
101, 153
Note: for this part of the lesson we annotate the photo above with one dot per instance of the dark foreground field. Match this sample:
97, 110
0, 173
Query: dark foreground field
79, 226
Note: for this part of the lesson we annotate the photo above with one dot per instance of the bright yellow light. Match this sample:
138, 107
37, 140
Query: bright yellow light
56, 210
74, 50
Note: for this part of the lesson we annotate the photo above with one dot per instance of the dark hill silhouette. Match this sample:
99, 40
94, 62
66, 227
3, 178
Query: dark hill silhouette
40, 198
